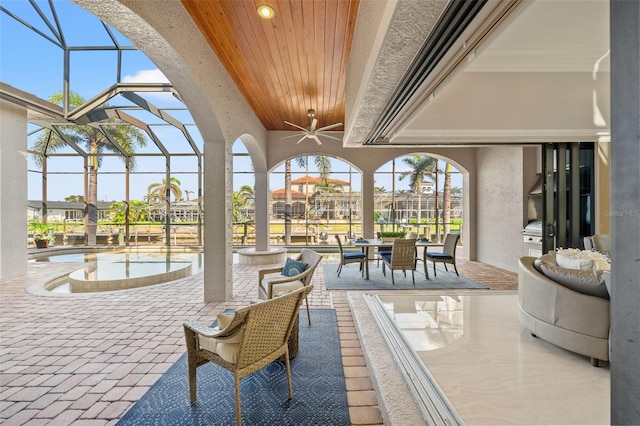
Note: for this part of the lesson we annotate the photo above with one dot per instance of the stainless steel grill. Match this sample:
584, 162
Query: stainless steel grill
532, 239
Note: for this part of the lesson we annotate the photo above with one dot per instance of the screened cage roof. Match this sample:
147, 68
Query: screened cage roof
72, 55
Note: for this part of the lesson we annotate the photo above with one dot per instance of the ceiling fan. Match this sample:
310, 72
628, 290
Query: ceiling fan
311, 132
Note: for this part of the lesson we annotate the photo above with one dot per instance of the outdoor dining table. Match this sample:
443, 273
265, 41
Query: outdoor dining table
367, 243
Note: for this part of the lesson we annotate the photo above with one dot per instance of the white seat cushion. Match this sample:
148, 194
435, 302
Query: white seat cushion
280, 289
227, 349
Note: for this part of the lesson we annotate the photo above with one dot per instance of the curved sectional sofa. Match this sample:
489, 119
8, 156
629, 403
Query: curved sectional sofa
563, 316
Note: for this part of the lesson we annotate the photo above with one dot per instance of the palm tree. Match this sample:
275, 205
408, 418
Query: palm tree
158, 191
323, 164
96, 142
246, 193
446, 199
421, 166
288, 202
242, 199
324, 185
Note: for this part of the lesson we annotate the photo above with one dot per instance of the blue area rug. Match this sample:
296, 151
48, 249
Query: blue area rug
351, 279
319, 391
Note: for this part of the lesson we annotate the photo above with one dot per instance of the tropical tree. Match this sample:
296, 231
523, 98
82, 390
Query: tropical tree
137, 212
288, 202
74, 199
241, 200
324, 185
422, 166
323, 165
158, 191
446, 199
246, 193
96, 143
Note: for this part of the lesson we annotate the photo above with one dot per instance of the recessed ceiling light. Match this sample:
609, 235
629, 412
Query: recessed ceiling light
265, 11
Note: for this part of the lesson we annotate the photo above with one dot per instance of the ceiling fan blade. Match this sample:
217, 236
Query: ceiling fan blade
302, 138
296, 126
294, 135
316, 139
324, 135
314, 123
331, 126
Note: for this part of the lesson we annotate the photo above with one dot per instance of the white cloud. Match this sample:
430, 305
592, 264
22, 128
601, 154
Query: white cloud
146, 76
153, 76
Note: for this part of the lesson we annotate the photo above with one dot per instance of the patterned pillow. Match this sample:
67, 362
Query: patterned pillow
293, 267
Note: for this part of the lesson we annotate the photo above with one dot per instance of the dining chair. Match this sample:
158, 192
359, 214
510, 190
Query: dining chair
252, 338
350, 257
402, 257
448, 254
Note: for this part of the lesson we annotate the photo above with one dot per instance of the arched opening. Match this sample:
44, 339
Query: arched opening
419, 194
313, 197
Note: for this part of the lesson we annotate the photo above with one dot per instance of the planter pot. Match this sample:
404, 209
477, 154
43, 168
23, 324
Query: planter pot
42, 243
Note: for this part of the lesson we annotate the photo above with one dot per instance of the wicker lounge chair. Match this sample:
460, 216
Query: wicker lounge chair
246, 342
271, 285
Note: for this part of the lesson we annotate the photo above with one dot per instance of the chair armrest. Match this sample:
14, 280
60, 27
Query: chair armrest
229, 331
264, 272
201, 329
284, 279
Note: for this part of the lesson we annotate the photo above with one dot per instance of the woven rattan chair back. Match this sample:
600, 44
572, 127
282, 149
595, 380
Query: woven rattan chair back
266, 327
312, 259
402, 257
403, 253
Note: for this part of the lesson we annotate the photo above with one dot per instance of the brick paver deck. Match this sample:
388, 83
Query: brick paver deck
86, 358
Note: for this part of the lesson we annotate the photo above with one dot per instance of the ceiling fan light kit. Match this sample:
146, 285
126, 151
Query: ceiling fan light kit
311, 132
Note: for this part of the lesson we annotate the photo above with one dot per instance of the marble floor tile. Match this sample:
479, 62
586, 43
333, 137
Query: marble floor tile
491, 369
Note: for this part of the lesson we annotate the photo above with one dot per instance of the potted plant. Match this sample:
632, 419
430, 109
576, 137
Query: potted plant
40, 233
391, 235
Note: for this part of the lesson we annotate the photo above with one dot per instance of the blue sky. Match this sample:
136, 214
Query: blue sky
30, 62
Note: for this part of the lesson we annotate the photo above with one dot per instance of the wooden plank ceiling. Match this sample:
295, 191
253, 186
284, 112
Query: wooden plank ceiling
285, 65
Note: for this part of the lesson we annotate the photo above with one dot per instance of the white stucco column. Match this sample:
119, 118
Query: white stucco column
368, 230
262, 211
218, 257
13, 190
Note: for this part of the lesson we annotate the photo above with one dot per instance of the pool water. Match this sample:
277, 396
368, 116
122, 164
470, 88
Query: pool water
119, 271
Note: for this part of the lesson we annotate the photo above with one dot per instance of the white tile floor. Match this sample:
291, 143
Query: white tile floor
491, 369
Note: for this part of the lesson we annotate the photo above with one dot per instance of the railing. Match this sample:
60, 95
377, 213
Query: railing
303, 232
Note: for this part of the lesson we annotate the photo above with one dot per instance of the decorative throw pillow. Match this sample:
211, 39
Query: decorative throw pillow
586, 282
585, 260
225, 317
293, 267
573, 259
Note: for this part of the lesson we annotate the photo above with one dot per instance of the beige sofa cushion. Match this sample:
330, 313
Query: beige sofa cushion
590, 282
